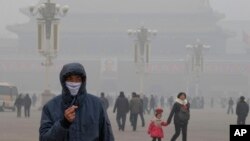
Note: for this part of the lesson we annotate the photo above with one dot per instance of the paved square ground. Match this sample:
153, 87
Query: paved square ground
204, 125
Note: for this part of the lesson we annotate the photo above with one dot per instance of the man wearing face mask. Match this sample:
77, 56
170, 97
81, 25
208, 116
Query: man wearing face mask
74, 115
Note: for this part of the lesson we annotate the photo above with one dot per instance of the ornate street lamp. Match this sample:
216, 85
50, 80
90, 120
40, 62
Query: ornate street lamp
48, 14
196, 62
196, 59
142, 50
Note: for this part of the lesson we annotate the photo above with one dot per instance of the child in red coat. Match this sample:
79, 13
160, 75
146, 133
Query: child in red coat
155, 128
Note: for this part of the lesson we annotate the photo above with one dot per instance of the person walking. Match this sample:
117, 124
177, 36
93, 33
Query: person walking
141, 113
74, 115
145, 104
155, 127
230, 106
171, 101
121, 108
134, 107
34, 100
19, 103
152, 104
27, 105
181, 113
242, 110
105, 101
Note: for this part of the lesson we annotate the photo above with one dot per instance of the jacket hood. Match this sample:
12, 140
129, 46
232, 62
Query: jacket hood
69, 69
121, 94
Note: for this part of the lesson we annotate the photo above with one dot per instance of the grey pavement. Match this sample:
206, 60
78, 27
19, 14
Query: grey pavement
205, 125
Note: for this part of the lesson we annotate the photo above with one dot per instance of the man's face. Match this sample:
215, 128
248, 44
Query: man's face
74, 78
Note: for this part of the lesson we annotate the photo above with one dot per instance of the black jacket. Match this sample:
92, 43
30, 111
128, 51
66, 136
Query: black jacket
91, 122
27, 101
242, 109
122, 105
176, 109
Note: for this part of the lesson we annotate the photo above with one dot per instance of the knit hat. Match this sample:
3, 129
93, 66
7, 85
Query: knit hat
158, 111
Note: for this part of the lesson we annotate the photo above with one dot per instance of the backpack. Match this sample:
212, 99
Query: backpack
183, 114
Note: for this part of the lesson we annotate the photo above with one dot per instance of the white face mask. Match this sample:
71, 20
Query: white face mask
73, 87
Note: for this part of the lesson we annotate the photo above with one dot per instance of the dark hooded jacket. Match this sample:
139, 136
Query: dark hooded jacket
121, 105
134, 105
91, 122
242, 108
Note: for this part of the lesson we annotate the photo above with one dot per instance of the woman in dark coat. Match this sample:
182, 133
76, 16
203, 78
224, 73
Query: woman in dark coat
180, 111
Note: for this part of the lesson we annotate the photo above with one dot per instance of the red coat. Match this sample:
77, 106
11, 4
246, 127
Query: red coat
155, 128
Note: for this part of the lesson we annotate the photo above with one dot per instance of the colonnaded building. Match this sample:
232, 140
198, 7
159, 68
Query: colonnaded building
94, 33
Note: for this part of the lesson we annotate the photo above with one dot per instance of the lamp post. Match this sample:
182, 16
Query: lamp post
196, 62
48, 14
142, 50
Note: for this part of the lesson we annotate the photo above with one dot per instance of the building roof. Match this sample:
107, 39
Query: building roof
136, 6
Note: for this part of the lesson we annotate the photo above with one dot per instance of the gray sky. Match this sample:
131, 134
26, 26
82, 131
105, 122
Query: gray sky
234, 10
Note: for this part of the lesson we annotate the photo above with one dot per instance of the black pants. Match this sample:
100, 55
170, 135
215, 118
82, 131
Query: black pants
27, 111
142, 119
121, 120
241, 120
134, 120
19, 112
154, 139
178, 129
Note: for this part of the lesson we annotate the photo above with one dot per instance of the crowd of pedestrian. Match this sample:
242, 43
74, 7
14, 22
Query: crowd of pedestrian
197, 102
77, 115
139, 106
136, 107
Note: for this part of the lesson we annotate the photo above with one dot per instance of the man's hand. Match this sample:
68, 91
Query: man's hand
70, 113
